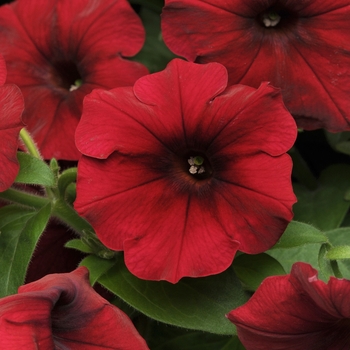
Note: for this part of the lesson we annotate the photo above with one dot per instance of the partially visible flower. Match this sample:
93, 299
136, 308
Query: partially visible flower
303, 47
58, 51
62, 311
296, 311
180, 173
11, 108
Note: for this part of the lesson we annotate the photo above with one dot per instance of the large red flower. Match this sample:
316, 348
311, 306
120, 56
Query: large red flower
296, 311
303, 47
180, 174
49, 46
62, 311
11, 108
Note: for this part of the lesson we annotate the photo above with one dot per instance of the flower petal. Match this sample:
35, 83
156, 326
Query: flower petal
11, 108
295, 311
63, 311
143, 117
68, 41
159, 227
308, 58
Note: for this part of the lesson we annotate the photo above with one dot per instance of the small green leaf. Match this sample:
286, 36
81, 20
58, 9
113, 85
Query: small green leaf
20, 231
78, 244
298, 234
253, 269
338, 253
65, 179
34, 171
192, 303
97, 266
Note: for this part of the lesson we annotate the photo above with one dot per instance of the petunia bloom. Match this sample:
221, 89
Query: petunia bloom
303, 47
296, 311
180, 173
11, 108
62, 311
58, 51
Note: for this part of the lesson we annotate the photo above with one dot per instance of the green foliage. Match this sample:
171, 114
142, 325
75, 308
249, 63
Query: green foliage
34, 171
192, 303
154, 54
20, 231
325, 207
298, 234
253, 269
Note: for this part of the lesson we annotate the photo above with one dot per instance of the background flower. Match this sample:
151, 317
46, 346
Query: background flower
301, 47
11, 108
296, 311
180, 176
62, 311
51, 47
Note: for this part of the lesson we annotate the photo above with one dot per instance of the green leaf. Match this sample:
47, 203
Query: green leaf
339, 252
154, 54
287, 257
253, 269
193, 303
325, 207
34, 171
97, 266
298, 234
65, 179
78, 244
20, 231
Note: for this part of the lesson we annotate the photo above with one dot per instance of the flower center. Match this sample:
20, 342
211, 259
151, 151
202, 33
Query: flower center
270, 18
277, 17
198, 166
65, 75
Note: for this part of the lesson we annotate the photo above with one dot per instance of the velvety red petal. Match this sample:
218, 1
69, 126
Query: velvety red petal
246, 115
139, 122
256, 208
25, 322
309, 59
68, 39
333, 297
159, 227
107, 112
76, 314
283, 314
99, 26
2, 71
11, 107
109, 72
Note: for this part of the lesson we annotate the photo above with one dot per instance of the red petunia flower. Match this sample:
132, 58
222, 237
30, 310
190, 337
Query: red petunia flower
296, 311
303, 47
62, 311
186, 173
11, 108
50, 46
